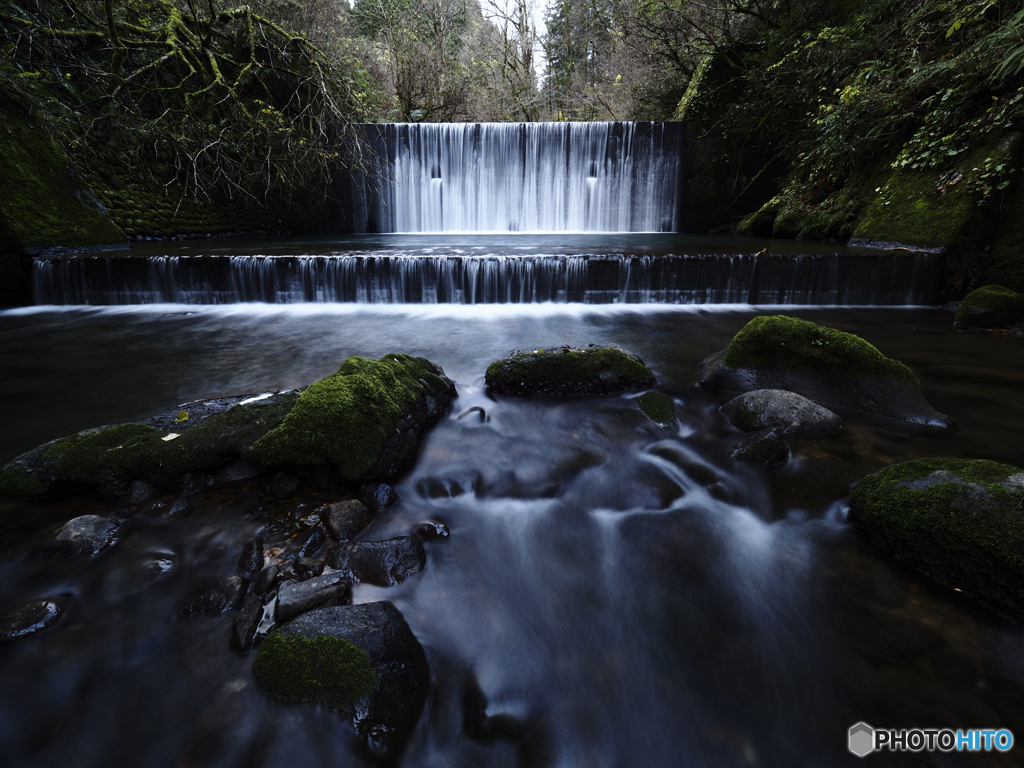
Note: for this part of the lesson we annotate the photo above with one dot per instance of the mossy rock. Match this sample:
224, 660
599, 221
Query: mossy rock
1005, 263
659, 408
961, 521
830, 367
329, 671
365, 419
991, 306
563, 370
351, 658
109, 458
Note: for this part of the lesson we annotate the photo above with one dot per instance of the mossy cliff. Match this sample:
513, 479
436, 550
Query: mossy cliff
365, 421
960, 521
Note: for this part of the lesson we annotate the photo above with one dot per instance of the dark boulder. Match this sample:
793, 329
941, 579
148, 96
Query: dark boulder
30, 618
218, 599
295, 597
307, 567
593, 370
345, 519
377, 496
246, 623
991, 306
250, 562
832, 368
283, 485
765, 447
384, 563
312, 543
83, 536
764, 408
362, 660
961, 521
431, 530
266, 580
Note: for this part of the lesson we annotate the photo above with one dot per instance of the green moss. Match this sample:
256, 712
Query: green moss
326, 670
788, 343
44, 203
562, 370
19, 483
345, 419
658, 408
967, 536
1005, 264
991, 305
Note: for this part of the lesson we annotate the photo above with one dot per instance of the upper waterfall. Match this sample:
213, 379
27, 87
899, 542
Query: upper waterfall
520, 177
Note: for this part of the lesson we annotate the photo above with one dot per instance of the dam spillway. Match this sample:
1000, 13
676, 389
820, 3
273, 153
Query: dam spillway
520, 177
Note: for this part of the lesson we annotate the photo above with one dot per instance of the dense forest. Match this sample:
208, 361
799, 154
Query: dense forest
807, 117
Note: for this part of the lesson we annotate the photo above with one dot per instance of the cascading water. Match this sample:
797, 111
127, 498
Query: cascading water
833, 279
521, 177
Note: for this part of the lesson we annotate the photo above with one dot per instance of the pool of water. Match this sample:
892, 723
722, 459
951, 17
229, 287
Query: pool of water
626, 595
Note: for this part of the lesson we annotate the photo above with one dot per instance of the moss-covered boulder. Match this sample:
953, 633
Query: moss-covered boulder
830, 367
659, 408
351, 658
592, 370
961, 521
365, 419
110, 458
990, 306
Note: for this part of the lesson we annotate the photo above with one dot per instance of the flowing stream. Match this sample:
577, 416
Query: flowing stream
624, 595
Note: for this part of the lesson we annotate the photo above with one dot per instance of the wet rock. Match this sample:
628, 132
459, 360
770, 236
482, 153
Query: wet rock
832, 368
30, 618
266, 580
283, 485
109, 458
246, 623
765, 447
366, 419
961, 521
564, 370
312, 543
431, 530
83, 536
377, 496
295, 597
139, 491
764, 408
372, 667
138, 574
658, 408
251, 560
218, 599
305, 567
237, 472
180, 507
345, 519
383, 563
991, 306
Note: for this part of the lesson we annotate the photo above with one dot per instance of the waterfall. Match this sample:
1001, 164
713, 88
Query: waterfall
520, 177
867, 279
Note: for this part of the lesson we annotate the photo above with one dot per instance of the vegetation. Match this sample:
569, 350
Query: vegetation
568, 371
990, 306
781, 342
659, 408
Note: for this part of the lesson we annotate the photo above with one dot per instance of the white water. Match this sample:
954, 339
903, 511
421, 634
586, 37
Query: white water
521, 177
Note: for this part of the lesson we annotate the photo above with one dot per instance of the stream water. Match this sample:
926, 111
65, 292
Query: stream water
621, 594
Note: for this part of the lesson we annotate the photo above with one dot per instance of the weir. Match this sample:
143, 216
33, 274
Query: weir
520, 177
869, 279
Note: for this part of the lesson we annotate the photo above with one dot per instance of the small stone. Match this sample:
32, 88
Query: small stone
295, 597
305, 567
237, 472
246, 622
431, 530
180, 507
313, 542
30, 618
139, 491
377, 496
765, 447
384, 563
345, 519
765, 408
266, 580
87, 535
218, 599
251, 561
283, 485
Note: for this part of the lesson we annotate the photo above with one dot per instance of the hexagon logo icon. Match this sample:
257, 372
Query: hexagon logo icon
862, 739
